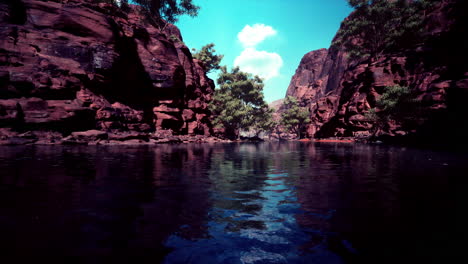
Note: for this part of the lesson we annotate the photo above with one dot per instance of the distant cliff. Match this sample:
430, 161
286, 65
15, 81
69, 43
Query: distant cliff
76, 65
339, 92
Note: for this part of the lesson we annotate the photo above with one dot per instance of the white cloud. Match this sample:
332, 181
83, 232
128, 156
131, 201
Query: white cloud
250, 36
262, 63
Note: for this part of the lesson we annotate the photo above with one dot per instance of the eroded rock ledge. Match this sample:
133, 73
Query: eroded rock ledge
68, 66
99, 137
340, 92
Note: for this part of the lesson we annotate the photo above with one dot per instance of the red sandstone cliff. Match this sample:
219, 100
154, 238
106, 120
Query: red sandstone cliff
75, 65
316, 84
339, 93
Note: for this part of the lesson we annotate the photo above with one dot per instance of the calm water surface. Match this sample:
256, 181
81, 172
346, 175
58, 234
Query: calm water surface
233, 203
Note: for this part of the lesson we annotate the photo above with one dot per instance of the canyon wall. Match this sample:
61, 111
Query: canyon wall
77, 65
340, 92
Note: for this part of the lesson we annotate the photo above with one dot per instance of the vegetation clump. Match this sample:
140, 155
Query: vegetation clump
396, 104
295, 118
161, 12
378, 26
239, 104
263, 121
175, 39
208, 58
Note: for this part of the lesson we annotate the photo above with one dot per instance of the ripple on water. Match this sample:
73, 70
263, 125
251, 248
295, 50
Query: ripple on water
233, 203
259, 228
256, 255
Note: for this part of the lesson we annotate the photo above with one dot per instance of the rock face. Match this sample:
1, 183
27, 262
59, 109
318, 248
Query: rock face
316, 84
339, 93
308, 81
76, 65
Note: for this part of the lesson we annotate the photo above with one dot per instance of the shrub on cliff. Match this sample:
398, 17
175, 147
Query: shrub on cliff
377, 26
294, 118
396, 104
208, 57
238, 103
162, 12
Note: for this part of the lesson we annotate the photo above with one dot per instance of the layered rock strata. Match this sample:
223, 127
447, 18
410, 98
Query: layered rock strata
339, 93
69, 66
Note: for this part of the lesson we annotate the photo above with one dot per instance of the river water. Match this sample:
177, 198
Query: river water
291, 202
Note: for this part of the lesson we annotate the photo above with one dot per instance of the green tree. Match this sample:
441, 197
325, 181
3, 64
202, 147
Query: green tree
208, 57
294, 118
396, 103
263, 120
162, 12
236, 101
377, 26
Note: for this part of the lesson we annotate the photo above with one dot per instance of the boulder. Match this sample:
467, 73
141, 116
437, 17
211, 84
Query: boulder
90, 135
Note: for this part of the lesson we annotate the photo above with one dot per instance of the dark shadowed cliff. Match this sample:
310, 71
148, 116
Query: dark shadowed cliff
76, 65
339, 93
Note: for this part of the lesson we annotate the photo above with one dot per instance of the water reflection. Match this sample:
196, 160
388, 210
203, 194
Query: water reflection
232, 203
90, 202
253, 214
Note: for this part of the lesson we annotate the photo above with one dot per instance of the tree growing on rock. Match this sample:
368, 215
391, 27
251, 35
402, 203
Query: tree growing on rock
162, 12
207, 56
294, 118
395, 104
378, 26
238, 102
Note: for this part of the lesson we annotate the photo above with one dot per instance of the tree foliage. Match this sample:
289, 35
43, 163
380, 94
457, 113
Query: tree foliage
208, 57
263, 120
377, 26
238, 103
164, 11
397, 103
294, 117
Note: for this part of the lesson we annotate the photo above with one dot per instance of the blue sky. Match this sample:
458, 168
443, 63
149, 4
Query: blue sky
276, 34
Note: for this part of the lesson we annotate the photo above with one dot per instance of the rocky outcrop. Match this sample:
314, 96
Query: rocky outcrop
276, 105
308, 82
316, 84
339, 93
76, 65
